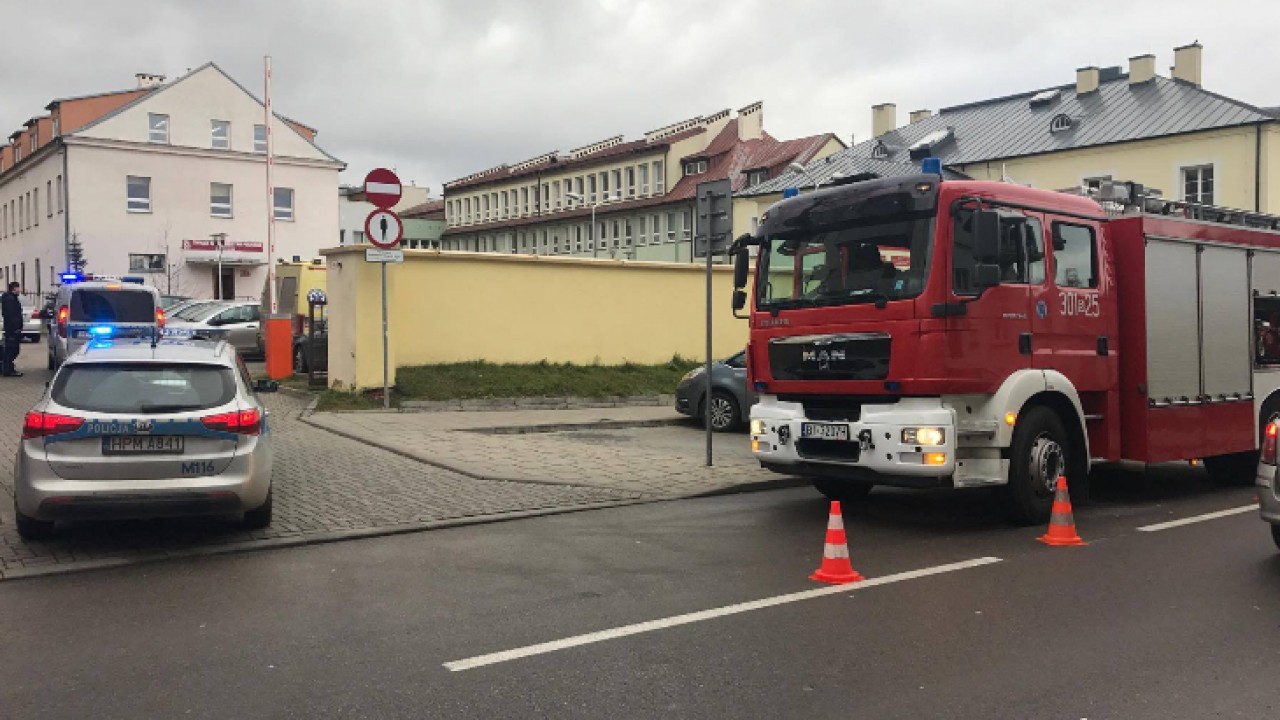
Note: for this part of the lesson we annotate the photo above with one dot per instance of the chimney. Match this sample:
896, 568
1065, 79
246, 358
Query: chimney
1142, 68
918, 115
751, 121
1086, 80
148, 80
884, 117
1186, 63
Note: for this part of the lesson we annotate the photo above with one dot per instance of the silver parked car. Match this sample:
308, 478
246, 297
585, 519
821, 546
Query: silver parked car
138, 428
235, 322
31, 322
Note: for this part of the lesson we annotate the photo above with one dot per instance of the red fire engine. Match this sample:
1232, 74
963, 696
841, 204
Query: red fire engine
916, 332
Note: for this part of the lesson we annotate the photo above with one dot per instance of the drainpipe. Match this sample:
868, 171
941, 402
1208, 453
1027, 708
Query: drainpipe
66, 208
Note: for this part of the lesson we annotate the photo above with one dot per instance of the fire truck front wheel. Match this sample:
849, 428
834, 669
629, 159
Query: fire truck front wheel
843, 490
1041, 451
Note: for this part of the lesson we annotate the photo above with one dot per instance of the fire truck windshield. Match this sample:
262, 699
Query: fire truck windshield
877, 259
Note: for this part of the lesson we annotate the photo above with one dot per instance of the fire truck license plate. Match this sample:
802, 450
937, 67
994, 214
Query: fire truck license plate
824, 431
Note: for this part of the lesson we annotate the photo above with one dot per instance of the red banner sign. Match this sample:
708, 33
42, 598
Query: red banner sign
233, 246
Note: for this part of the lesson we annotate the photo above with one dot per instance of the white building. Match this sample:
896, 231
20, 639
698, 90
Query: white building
145, 179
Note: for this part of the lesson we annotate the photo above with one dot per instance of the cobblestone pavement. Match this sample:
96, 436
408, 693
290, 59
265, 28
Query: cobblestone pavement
662, 457
326, 487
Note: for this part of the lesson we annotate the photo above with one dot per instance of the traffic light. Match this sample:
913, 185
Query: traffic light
715, 218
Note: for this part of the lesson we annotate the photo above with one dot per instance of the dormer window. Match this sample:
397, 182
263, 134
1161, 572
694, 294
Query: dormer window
1061, 122
695, 167
880, 151
755, 177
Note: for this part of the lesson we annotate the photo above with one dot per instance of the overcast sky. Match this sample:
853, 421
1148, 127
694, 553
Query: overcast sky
442, 89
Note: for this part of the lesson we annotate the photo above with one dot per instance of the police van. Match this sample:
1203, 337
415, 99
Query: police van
118, 309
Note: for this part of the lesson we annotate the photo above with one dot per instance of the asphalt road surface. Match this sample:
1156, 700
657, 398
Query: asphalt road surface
961, 617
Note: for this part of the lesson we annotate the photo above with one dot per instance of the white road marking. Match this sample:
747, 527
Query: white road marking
625, 630
1197, 518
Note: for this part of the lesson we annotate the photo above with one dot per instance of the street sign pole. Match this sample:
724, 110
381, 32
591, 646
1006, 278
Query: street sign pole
713, 225
382, 189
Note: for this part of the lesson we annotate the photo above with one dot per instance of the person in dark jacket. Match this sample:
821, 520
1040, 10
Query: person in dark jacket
11, 310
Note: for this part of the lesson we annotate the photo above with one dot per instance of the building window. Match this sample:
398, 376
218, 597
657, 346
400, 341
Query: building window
466, 210
755, 177
221, 134
1197, 184
146, 263
686, 225
35, 207
659, 180
1060, 122
695, 167
486, 207
617, 184
671, 227
555, 244
48, 198
260, 138
578, 186
537, 199
34, 141
631, 182
577, 238
644, 179
627, 238
544, 242
555, 191
644, 231
59, 185
158, 127
220, 200
283, 203
139, 194
604, 187
591, 188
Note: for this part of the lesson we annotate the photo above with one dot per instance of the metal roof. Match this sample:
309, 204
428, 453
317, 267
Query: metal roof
1012, 126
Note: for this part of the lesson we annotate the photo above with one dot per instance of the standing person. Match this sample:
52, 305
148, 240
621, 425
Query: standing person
11, 309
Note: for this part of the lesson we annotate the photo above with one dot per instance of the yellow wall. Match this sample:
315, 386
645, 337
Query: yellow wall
455, 307
1154, 163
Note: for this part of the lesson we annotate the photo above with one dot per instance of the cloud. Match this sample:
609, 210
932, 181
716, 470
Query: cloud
442, 89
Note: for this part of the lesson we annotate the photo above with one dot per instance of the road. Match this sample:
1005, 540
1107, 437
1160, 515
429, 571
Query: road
1178, 622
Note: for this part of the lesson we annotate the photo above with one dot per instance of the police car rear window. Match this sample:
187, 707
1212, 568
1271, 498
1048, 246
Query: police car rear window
143, 388
105, 306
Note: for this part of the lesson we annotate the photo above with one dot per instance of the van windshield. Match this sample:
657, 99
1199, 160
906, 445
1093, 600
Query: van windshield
112, 306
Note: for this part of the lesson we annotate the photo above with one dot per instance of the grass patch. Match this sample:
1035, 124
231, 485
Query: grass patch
341, 400
544, 379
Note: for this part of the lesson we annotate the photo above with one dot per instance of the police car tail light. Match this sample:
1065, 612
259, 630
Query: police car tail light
1269, 443
160, 317
243, 422
63, 313
40, 424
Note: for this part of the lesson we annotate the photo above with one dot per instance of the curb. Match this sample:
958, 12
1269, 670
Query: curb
247, 546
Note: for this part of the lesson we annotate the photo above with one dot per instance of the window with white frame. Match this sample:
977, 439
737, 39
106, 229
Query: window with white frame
617, 184
4, 221
686, 224
524, 201
643, 236
591, 188
260, 138
671, 227
644, 179
555, 243
138, 193
220, 200
283, 203
604, 187
486, 207
555, 190
577, 238
577, 184
631, 182
48, 198
537, 198
35, 207
34, 140
659, 180
695, 167
544, 245
627, 239
220, 130
59, 186
1197, 184
158, 128
755, 177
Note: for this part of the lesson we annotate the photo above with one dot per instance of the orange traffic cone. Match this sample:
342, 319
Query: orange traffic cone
836, 568
1062, 527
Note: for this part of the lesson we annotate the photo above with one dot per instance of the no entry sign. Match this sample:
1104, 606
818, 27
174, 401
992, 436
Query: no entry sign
382, 188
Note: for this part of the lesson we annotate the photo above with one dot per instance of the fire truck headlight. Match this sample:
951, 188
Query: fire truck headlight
923, 436
757, 427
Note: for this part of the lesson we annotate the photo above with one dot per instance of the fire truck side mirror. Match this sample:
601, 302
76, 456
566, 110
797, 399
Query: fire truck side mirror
739, 299
986, 236
986, 276
741, 259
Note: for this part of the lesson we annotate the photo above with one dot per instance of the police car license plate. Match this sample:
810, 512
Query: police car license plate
824, 431
143, 445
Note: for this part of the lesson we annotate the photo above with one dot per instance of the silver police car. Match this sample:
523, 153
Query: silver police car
142, 427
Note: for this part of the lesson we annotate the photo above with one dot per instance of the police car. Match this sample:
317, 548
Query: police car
145, 427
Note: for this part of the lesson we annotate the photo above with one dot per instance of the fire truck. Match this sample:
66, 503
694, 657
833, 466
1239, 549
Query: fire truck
916, 332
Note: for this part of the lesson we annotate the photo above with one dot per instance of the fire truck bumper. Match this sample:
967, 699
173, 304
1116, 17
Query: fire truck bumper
1268, 493
876, 447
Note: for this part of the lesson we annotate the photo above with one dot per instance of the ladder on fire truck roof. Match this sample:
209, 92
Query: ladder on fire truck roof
1120, 199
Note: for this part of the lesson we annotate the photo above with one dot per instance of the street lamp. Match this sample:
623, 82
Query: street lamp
219, 239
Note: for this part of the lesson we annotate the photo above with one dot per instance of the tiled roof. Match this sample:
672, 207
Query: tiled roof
429, 210
634, 147
1012, 127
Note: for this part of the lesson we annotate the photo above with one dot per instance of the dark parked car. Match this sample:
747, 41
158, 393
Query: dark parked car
314, 355
731, 400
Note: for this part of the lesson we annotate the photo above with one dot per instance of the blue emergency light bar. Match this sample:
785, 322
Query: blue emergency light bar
100, 330
71, 277
931, 166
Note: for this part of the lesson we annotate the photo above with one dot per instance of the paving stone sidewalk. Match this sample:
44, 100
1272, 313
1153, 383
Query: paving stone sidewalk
647, 450
326, 487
